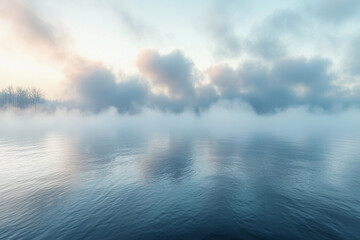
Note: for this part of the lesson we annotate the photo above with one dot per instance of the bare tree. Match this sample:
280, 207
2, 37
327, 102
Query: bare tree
21, 97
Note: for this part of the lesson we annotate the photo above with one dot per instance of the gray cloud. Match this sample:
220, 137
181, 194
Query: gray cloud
266, 47
98, 90
131, 23
227, 42
312, 72
266, 40
206, 96
222, 31
226, 80
283, 22
255, 86
352, 58
334, 11
289, 82
173, 71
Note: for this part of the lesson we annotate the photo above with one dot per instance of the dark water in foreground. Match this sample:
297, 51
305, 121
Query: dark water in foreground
130, 184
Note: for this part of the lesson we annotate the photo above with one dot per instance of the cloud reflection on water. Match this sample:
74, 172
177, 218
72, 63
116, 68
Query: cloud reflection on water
112, 176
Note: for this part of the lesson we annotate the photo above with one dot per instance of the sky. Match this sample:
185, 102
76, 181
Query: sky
184, 55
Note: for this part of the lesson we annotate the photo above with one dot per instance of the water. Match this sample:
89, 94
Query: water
97, 182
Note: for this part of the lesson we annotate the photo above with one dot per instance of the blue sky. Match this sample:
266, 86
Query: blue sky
178, 55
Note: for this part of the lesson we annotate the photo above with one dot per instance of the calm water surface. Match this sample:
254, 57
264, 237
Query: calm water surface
124, 183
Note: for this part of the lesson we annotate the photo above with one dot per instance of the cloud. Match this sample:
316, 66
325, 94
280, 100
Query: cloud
289, 82
226, 80
266, 47
227, 42
132, 24
206, 97
222, 32
310, 72
334, 11
263, 41
352, 58
284, 21
255, 87
32, 30
266, 40
43, 38
175, 75
309, 79
172, 72
98, 90
26, 22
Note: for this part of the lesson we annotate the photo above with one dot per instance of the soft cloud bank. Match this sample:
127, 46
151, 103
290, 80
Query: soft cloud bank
271, 81
169, 82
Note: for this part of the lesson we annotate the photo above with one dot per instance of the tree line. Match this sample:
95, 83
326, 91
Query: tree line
21, 97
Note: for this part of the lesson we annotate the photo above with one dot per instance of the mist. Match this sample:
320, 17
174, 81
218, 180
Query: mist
223, 118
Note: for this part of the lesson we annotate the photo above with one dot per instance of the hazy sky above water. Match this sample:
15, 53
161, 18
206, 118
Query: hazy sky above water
176, 56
